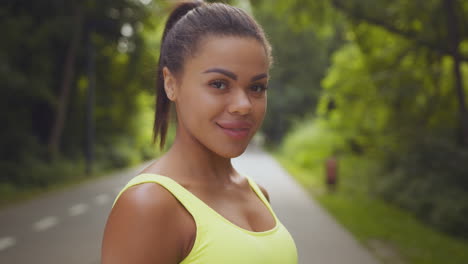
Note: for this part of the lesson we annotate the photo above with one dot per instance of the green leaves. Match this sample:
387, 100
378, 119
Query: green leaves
33, 54
391, 90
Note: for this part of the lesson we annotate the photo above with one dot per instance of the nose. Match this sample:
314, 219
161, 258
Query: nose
240, 103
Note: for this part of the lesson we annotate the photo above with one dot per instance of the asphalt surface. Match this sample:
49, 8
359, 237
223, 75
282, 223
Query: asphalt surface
67, 226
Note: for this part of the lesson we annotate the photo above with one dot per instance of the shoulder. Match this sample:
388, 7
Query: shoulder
147, 199
264, 191
143, 227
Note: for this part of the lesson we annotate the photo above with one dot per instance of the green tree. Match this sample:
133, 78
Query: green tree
44, 77
395, 93
301, 57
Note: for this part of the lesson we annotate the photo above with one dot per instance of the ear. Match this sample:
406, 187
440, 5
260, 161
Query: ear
170, 83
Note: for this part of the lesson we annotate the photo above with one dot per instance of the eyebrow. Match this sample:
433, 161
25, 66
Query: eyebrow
258, 77
233, 75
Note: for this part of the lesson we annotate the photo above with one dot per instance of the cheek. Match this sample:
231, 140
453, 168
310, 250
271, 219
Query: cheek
198, 106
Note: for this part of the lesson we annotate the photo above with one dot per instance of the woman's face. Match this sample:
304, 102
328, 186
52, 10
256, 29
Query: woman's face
221, 95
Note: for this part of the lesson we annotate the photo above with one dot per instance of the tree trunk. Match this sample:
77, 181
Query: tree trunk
68, 72
454, 42
90, 127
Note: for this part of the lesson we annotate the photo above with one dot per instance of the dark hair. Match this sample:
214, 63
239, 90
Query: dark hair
188, 23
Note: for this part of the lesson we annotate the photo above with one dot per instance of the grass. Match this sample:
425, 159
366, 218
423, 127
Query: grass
393, 234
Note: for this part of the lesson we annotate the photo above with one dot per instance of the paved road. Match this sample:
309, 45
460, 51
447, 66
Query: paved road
319, 239
67, 226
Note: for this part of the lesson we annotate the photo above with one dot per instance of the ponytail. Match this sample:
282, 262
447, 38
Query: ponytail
161, 119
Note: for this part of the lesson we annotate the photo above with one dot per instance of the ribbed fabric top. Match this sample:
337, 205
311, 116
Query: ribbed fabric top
220, 241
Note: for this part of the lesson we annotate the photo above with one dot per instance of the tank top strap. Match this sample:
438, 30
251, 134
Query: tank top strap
259, 193
185, 197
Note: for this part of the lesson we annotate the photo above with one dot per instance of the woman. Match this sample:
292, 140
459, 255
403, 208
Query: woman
191, 206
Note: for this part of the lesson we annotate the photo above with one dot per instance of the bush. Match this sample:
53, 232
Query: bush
427, 176
429, 179
311, 143
34, 171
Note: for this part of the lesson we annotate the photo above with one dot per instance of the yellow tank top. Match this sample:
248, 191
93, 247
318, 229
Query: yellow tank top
220, 241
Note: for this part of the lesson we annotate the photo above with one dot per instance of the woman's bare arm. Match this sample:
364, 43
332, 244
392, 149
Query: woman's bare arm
143, 228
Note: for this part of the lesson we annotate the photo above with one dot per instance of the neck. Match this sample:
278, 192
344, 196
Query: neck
196, 162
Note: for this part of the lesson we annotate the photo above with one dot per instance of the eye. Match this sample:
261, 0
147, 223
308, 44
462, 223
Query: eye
219, 84
258, 88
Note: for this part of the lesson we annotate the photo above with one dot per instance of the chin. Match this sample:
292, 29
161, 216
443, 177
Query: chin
235, 154
230, 151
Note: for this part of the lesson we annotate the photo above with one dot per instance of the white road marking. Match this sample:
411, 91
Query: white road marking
102, 199
77, 209
6, 242
45, 223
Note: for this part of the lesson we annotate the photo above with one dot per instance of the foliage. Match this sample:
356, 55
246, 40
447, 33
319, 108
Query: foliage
408, 183
300, 60
397, 96
35, 50
393, 234
307, 137
395, 92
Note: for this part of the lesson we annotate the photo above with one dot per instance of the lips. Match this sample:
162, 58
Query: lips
235, 129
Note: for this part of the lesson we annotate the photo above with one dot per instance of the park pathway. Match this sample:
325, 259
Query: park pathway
319, 238
66, 226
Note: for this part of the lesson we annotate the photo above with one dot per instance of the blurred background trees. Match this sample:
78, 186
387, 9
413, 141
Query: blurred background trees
381, 81
394, 94
51, 54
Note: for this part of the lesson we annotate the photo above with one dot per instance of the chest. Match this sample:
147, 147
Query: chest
215, 239
243, 208
244, 211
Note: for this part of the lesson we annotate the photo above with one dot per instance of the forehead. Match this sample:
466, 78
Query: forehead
243, 55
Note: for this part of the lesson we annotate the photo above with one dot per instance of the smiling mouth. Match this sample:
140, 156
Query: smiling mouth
235, 131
